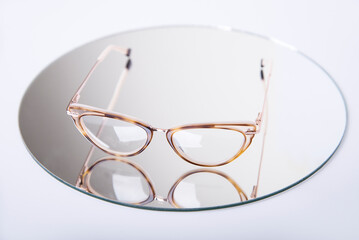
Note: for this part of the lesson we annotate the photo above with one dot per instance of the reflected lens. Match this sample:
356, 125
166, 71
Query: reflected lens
208, 146
119, 181
114, 134
205, 189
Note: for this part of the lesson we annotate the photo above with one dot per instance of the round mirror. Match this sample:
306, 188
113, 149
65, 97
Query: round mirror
182, 118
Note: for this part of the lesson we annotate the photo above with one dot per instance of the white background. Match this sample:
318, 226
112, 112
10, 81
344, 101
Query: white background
34, 205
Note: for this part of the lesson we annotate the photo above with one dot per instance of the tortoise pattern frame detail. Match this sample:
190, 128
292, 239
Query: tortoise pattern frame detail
77, 111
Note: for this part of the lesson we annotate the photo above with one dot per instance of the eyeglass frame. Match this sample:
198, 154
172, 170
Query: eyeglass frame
77, 111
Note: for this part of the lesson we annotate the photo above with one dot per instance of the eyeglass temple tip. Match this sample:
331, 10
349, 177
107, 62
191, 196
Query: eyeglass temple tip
264, 63
128, 64
128, 53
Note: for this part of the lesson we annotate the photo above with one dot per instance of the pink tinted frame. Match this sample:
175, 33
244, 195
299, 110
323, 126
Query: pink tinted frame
77, 111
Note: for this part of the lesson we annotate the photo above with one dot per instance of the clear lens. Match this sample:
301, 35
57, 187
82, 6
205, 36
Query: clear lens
119, 181
208, 146
116, 135
205, 189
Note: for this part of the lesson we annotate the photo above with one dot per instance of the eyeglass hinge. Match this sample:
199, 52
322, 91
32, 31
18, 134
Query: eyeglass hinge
73, 114
259, 119
76, 98
251, 132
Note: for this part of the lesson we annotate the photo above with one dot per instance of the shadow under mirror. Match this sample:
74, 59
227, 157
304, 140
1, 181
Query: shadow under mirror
185, 117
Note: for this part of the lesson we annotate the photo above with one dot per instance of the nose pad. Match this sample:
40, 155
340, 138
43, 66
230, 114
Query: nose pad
159, 130
161, 199
162, 202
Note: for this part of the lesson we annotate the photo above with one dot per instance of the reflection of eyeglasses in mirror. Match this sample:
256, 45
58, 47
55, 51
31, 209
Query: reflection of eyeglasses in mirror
124, 136
123, 181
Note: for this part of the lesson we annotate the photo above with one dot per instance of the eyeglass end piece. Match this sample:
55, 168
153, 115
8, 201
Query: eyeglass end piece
76, 98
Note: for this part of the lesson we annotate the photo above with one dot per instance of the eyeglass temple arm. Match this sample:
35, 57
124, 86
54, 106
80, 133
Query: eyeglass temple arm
265, 74
101, 57
112, 103
255, 187
264, 77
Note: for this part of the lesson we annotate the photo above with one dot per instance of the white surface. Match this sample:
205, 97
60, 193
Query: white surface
34, 205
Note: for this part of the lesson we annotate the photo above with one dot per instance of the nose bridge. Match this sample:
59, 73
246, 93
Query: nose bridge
160, 130
161, 199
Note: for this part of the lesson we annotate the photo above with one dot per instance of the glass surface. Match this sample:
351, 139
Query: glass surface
115, 134
119, 181
208, 146
205, 189
184, 75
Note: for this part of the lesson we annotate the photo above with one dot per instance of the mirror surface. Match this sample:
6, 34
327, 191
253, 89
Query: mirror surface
179, 76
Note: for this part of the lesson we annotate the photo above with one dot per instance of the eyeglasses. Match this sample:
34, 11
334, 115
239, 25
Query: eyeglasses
123, 181
124, 136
